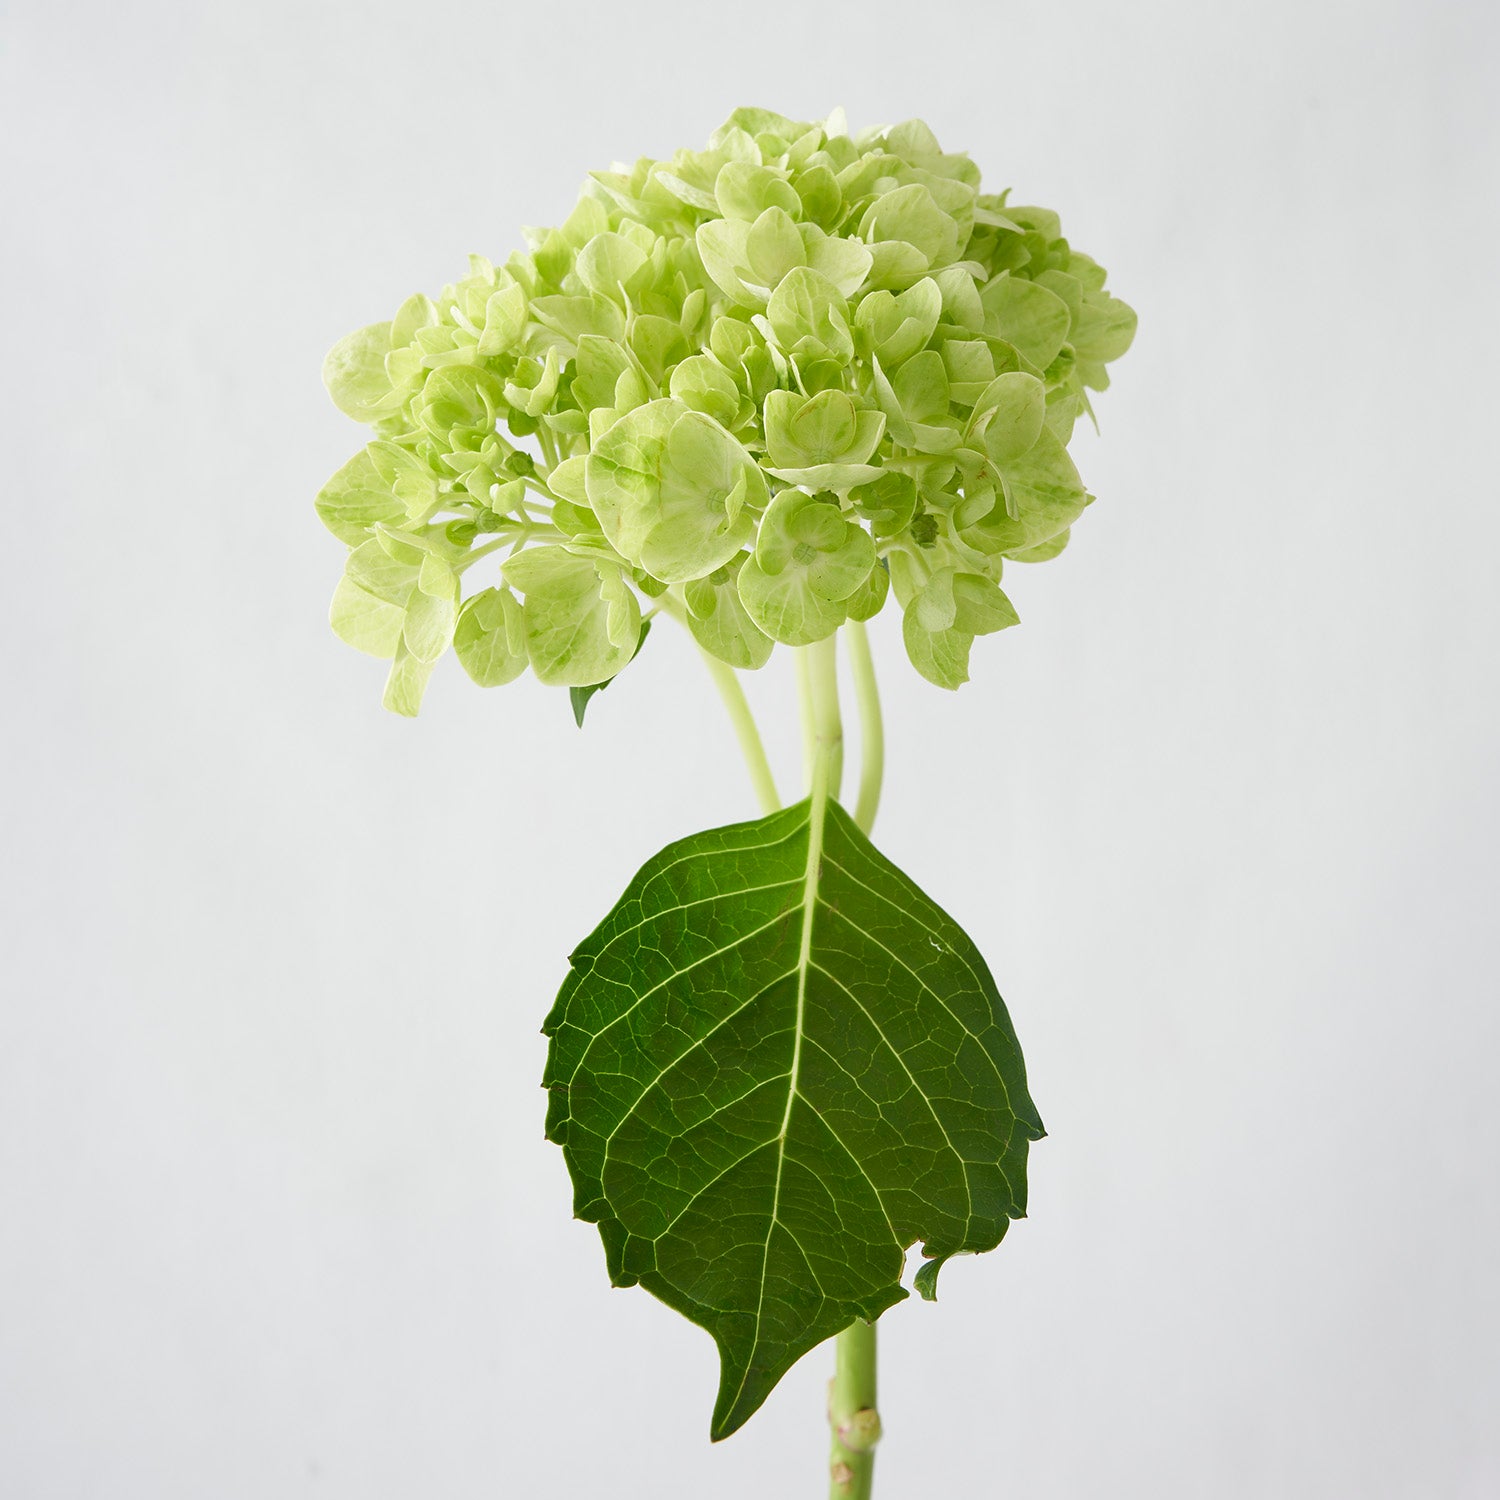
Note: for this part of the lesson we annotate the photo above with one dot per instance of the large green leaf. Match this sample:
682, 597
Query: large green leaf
775, 1066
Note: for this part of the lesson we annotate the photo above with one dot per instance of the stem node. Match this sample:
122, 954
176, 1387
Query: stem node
861, 1431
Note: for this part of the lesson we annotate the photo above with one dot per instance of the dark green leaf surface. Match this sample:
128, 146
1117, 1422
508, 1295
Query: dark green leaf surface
775, 1066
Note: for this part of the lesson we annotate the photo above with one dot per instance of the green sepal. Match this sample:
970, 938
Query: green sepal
1043, 496
809, 318
869, 598
504, 321
1009, 414
490, 637
377, 571
888, 503
355, 499
719, 621
609, 264
1043, 551
674, 492
431, 610
579, 696
808, 560
362, 620
1029, 316
940, 623
916, 403
406, 683
803, 432
893, 327
910, 217
409, 478
1103, 328
744, 190
354, 372
582, 620
702, 384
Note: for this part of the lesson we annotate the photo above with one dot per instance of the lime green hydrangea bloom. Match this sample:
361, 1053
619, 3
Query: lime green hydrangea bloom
782, 378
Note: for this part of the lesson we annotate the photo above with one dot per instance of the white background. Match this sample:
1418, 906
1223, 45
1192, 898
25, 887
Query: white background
276, 1216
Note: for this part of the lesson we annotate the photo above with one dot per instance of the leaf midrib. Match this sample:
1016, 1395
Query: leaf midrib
816, 817
817, 811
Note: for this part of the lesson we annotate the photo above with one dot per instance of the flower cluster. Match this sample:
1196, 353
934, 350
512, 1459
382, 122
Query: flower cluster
764, 385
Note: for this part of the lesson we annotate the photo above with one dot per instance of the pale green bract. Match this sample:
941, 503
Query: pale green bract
782, 377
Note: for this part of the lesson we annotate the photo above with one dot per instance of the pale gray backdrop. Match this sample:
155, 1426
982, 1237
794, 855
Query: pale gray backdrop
276, 1216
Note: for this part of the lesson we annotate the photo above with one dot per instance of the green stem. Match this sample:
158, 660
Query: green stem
515, 532
820, 694
484, 549
540, 485
871, 730
852, 1414
805, 704
727, 680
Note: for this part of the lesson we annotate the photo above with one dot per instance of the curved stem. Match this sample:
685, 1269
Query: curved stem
871, 729
540, 485
484, 549
727, 680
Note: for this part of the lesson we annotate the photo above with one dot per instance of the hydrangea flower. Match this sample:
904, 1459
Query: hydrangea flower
768, 384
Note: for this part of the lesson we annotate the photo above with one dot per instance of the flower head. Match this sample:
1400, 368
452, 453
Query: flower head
782, 378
